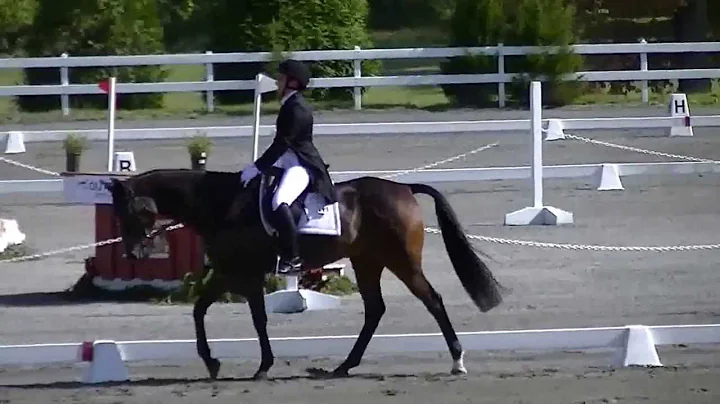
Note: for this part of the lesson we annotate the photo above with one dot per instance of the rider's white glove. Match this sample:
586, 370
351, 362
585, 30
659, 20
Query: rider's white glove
248, 173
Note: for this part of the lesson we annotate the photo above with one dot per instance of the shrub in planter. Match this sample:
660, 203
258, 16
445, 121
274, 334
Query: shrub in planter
199, 148
74, 145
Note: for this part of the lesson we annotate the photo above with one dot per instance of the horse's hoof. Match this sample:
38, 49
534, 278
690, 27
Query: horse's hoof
213, 367
260, 375
340, 373
318, 373
458, 371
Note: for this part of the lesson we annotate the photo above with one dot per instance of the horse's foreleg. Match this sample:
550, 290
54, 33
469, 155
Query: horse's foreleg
256, 300
368, 275
206, 299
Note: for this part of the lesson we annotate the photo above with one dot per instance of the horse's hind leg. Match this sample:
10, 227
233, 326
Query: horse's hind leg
209, 295
367, 273
409, 271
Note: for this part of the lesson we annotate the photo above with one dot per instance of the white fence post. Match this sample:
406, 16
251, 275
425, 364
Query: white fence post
357, 73
501, 72
539, 213
64, 81
112, 94
644, 68
209, 77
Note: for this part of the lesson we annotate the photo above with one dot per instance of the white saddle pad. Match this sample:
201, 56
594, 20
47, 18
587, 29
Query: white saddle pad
319, 218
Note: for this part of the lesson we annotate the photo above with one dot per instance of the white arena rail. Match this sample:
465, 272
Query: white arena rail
374, 128
209, 85
634, 345
432, 176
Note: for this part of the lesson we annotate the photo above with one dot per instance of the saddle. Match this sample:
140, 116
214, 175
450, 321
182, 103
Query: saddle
311, 214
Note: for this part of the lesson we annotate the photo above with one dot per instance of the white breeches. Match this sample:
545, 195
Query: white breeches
292, 184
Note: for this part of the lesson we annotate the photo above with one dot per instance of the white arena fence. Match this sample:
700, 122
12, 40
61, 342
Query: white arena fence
64, 62
105, 360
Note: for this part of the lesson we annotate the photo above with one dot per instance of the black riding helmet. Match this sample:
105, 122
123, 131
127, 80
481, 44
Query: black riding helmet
296, 70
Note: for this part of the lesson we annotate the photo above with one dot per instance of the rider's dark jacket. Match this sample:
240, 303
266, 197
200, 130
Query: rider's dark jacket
294, 130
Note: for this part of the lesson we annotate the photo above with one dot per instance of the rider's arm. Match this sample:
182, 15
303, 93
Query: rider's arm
290, 125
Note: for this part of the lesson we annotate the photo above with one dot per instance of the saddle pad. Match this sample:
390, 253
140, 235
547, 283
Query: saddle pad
318, 218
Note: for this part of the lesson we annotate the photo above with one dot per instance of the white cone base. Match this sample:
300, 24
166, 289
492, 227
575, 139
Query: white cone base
106, 365
608, 178
297, 301
546, 215
639, 349
555, 130
15, 143
681, 131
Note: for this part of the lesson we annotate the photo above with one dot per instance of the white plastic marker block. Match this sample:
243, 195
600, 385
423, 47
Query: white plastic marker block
299, 300
124, 161
106, 364
678, 106
538, 214
296, 300
10, 234
608, 178
15, 142
639, 349
555, 130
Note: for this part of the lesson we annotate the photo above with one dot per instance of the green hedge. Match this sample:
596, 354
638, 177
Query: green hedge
94, 28
285, 25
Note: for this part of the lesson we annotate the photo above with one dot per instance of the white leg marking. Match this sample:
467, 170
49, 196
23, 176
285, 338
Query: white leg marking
458, 365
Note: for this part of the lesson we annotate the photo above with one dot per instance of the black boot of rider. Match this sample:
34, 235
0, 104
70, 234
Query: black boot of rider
289, 255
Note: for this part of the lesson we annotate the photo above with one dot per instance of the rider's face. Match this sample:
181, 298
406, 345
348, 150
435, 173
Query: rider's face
281, 83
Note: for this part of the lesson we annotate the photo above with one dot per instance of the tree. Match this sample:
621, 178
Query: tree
544, 23
95, 28
514, 23
285, 26
16, 17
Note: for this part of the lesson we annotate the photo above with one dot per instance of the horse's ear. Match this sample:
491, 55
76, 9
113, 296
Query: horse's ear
117, 187
114, 184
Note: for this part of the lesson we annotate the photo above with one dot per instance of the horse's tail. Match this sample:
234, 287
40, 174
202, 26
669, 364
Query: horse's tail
473, 273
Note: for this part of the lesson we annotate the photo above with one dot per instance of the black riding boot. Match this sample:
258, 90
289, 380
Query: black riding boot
289, 255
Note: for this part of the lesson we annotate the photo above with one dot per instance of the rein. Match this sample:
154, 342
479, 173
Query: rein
161, 230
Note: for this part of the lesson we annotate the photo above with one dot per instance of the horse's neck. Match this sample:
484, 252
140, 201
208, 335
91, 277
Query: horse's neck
196, 201
171, 202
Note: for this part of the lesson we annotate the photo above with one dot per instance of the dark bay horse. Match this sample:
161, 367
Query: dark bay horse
382, 227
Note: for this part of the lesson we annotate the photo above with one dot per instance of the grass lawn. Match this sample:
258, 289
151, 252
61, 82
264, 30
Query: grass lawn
192, 105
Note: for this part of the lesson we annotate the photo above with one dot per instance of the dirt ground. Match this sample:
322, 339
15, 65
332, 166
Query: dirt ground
689, 376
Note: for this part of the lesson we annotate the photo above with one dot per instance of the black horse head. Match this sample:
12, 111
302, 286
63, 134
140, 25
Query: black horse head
137, 216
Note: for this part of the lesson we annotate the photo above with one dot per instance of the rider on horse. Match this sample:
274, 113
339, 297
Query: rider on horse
293, 151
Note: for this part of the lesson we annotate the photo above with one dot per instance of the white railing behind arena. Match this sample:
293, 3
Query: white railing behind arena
209, 85
634, 345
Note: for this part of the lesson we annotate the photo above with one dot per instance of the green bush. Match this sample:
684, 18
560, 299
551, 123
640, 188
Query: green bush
286, 26
543, 23
514, 23
94, 28
474, 23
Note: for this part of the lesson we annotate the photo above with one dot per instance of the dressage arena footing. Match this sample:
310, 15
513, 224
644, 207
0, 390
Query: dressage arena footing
632, 345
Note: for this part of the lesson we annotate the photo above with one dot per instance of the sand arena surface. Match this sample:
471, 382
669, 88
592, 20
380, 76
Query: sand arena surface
552, 288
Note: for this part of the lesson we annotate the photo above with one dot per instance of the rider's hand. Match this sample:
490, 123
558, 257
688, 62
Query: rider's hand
248, 173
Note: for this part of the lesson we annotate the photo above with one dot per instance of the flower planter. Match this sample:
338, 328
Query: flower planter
198, 162
72, 162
